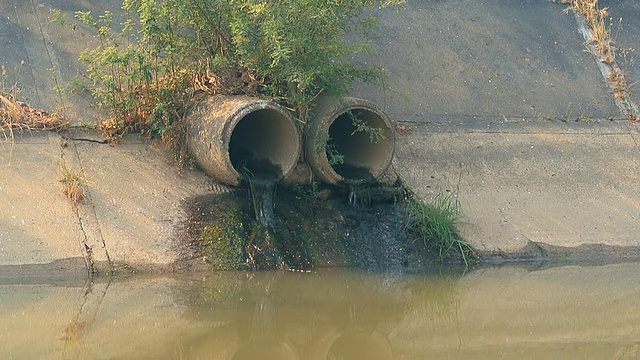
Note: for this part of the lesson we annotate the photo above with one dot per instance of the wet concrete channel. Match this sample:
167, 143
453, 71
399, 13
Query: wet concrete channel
505, 105
504, 120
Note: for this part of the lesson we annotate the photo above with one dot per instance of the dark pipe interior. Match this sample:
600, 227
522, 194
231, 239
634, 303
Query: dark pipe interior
262, 144
362, 156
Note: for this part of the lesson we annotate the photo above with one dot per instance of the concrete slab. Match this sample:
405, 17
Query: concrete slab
37, 223
494, 87
130, 215
559, 184
136, 193
50, 54
457, 59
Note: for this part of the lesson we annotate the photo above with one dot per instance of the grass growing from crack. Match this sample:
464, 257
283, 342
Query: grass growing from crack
600, 23
306, 192
436, 224
72, 187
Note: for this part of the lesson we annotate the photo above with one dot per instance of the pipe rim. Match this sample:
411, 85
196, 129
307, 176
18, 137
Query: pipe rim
241, 115
214, 121
319, 160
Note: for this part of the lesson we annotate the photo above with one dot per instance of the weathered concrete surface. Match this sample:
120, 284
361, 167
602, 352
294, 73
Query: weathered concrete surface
49, 51
563, 184
37, 225
486, 59
495, 89
131, 213
490, 85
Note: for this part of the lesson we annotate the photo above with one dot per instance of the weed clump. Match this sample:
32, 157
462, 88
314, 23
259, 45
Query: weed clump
15, 114
436, 224
600, 23
72, 187
602, 45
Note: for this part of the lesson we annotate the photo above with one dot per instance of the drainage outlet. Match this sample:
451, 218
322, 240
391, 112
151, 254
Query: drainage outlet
237, 137
350, 141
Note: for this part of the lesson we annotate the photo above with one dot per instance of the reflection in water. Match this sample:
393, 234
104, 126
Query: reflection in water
510, 312
327, 315
75, 332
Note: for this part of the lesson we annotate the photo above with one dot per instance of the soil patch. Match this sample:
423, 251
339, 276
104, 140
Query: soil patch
308, 233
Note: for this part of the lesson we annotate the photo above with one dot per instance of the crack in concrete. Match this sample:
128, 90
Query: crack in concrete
51, 57
635, 134
89, 224
87, 253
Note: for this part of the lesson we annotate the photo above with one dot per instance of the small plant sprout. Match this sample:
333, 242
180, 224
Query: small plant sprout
72, 187
308, 193
333, 155
376, 134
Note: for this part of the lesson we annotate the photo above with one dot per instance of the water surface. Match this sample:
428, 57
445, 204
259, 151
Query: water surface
569, 312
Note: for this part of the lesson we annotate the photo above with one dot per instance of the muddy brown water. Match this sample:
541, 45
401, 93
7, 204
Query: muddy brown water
511, 312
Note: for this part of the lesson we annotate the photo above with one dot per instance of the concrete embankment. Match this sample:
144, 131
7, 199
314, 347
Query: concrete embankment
131, 213
505, 106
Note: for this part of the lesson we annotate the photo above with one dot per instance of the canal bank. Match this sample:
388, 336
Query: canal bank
505, 107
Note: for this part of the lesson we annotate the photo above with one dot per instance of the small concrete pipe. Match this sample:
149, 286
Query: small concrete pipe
231, 137
341, 153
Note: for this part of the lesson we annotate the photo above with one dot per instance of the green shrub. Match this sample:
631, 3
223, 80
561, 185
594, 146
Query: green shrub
147, 69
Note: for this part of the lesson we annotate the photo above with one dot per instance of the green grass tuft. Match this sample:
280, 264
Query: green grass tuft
436, 224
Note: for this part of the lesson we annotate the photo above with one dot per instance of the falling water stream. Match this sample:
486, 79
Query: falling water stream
263, 192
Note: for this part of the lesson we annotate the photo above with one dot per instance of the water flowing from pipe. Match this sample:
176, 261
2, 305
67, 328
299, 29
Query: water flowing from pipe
263, 192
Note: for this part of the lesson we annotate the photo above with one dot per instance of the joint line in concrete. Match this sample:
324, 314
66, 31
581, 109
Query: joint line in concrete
625, 104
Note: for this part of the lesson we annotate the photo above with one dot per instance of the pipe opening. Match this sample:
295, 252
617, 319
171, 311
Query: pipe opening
359, 144
263, 145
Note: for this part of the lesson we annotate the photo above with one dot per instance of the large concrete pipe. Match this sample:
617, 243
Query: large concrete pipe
350, 141
231, 137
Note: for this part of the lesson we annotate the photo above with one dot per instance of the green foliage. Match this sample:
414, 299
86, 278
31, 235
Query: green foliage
333, 155
436, 224
308, 193
375, 134
146, 69
223, 242
299, 47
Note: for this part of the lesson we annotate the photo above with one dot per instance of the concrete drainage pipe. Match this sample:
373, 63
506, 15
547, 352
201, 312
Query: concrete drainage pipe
235, 136
350, 141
